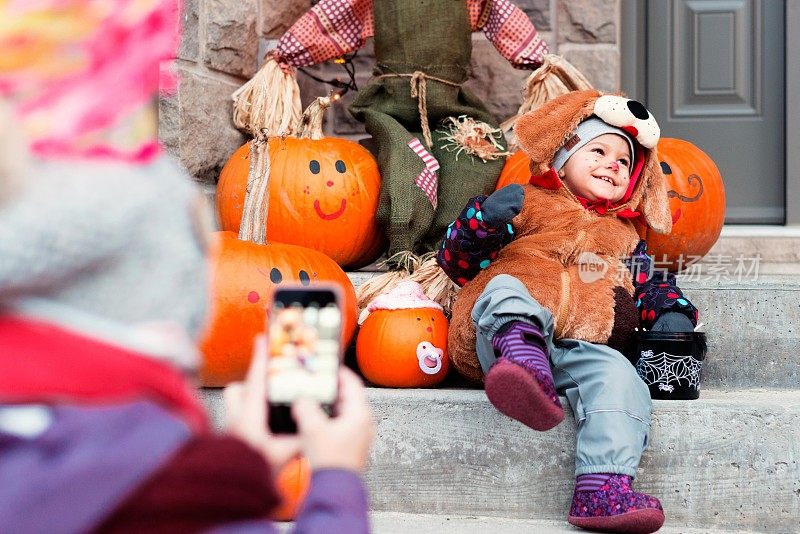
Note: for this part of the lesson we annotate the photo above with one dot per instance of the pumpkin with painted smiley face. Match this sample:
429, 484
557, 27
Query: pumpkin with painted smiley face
697, 203
243, 275
323, 194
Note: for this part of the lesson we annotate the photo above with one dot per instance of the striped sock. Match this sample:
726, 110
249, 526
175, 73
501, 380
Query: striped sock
524, 344
592, 481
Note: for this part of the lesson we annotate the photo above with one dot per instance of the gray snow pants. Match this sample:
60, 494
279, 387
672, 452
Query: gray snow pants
611, 404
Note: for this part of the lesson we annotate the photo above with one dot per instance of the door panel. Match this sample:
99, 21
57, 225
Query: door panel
715, 77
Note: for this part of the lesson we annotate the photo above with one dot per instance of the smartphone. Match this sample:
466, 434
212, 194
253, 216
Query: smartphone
304, 325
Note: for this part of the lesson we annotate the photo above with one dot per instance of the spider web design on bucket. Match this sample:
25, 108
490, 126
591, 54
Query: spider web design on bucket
663, 368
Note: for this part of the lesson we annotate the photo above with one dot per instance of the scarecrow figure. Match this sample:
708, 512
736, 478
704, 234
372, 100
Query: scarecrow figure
437, 145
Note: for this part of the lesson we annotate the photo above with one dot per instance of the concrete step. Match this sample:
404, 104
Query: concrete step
727, 461
752, 324
395, 523
772, 244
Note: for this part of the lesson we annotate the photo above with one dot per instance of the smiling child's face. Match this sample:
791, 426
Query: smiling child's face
600, 169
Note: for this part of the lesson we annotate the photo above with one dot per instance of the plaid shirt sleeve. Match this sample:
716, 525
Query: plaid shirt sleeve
656, 291
328, 30
471, 244
510, 31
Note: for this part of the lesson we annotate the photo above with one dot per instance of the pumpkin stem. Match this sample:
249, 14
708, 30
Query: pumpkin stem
256, 200
311, 122
269, 101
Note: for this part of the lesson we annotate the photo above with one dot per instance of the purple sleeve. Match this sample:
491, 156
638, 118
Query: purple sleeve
656, 291
336, 504
470, 244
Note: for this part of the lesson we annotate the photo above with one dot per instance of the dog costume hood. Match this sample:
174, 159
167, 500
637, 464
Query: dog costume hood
540, 133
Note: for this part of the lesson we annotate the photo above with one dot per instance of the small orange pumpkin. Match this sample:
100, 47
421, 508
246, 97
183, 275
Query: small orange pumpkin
323, 194
517, 170
403, 341
696, 200
292, 482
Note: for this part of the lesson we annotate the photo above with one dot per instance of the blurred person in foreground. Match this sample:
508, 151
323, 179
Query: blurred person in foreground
102, 292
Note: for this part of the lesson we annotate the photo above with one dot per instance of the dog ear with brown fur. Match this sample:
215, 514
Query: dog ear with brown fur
651, 198
553, 121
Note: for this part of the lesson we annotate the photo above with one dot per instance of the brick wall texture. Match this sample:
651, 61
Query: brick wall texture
223, 41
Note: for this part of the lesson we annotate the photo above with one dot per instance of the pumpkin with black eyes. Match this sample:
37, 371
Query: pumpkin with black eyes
323, 194
243, 275
403, 341
697, 203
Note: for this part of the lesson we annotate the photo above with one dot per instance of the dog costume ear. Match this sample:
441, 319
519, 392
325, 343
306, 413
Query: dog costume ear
653, 201
541, 132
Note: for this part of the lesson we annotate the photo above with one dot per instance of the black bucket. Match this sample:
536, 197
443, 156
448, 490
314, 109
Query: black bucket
670, 363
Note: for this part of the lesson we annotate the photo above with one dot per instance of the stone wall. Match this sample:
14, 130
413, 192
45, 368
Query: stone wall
223, 41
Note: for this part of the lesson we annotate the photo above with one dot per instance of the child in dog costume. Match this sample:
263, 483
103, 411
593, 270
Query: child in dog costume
422, 52
547, 292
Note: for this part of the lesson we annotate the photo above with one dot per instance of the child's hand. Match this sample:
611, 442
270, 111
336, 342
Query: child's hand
246, 412
341, 442
503, 205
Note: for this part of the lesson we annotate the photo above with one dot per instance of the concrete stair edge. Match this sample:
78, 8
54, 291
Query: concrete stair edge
728, 460
402, 523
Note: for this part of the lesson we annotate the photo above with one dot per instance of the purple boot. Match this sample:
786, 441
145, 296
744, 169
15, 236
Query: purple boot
520, 383
613, 506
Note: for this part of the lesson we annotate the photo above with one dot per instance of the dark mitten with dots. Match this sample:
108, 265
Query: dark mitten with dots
503, 205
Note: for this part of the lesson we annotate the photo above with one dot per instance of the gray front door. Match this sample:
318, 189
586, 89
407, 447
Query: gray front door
715, 77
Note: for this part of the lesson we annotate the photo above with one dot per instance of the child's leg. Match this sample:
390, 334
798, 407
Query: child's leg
612, 408
512, 336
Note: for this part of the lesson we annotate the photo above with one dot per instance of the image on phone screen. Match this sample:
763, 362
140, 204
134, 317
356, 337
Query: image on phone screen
304, 344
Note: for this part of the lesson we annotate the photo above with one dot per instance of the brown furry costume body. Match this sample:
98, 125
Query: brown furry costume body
552, 231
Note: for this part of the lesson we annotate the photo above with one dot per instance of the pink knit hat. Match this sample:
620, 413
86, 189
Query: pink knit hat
83, 74
405, 295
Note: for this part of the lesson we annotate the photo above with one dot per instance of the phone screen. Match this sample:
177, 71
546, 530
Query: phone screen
304, 339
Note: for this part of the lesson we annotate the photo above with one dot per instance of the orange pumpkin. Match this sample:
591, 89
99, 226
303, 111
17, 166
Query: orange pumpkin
697, 201
243, 275
323, 194
292, 482
403, 348
516, 170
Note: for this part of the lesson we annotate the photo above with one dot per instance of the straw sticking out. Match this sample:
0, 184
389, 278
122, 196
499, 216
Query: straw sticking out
435, 282
402, 265
554, 78
269, 102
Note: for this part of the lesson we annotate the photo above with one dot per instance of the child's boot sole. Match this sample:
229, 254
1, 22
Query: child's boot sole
517, 394
636, 522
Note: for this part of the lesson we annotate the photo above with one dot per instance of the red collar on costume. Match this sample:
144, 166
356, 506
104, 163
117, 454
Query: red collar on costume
43, 362
550, 180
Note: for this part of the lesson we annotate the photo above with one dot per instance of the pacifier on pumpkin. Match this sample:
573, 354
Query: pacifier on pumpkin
429, 357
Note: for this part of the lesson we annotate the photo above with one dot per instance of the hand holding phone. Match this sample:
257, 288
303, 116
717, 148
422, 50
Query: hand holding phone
341, 442
246, 409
